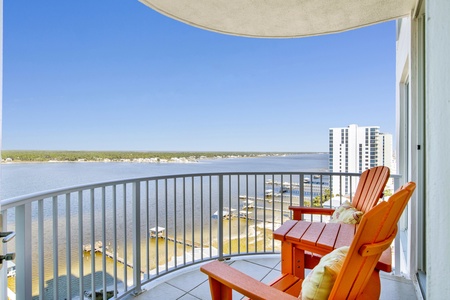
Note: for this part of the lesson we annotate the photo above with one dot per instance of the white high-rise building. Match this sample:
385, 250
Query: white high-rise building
354, 149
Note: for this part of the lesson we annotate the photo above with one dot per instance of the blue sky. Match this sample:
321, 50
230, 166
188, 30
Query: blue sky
116, 75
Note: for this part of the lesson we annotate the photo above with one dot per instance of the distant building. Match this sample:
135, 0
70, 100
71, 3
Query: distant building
354, 149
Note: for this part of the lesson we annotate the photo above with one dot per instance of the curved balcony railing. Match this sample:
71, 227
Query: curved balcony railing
114, 237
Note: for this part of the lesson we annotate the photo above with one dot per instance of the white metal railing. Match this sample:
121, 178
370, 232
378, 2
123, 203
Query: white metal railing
113, 237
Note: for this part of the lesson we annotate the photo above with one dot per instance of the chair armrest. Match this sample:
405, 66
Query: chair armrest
299, 210
223, 279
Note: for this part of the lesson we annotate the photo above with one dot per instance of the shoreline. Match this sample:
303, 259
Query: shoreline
169, 157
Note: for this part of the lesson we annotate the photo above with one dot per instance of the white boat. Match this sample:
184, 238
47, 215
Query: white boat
226, 214
244, 214
268, 193
249, 204
11, 271
157, 232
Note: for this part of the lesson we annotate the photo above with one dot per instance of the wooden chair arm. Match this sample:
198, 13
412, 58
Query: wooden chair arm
299, 210
379, 247
223, 279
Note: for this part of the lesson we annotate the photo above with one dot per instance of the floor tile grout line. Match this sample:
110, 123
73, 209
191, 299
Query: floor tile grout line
172, 285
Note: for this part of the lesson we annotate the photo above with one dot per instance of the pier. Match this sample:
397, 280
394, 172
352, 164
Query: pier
187, 243
98, 247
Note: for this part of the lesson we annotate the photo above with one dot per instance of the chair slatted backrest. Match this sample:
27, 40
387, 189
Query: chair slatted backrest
375, 233
370, 188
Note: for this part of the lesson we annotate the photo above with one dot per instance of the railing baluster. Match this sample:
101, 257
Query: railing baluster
157, 224
137, 238
256, 214
264, 210
220, 219
210, 216
114, 225
184, 221
230, 214
239, 223
201, 218
302, 190
68, 249
273, 205
23, 251
147, 222
281, 197
192, 218
55, 249
175, 226
92, 202
246, 220
166, 218
41, 256
104, 241
80, 244
125, 239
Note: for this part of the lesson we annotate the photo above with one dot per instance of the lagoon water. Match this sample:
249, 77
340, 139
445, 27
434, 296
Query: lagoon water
23, 178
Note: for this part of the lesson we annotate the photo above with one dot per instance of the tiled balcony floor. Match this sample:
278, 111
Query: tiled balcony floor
191, 283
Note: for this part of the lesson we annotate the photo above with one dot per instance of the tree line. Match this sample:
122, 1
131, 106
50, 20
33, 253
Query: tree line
43, 156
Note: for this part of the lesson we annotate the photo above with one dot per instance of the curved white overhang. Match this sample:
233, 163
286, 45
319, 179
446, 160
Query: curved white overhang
281, 18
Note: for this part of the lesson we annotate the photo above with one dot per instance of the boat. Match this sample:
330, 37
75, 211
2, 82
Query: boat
244, 214
227, 213
268, 193
249, 204
157, 232
11, 269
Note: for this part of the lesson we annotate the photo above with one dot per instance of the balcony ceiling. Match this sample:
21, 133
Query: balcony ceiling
281, 18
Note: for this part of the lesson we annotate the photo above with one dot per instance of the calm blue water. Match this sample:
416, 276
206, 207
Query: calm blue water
20, 179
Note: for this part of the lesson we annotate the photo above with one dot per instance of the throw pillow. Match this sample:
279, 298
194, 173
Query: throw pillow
319, 282
347, 214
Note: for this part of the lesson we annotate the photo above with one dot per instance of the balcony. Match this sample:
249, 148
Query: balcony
127, 236
193, 284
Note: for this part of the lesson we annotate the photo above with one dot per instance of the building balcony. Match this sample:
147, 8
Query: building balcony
140, 237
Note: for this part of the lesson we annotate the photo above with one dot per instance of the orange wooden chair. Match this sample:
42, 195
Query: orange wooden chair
369, 190
357, 279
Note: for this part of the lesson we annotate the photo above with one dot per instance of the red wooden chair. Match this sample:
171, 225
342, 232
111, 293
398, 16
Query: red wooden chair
357, 279
369, 190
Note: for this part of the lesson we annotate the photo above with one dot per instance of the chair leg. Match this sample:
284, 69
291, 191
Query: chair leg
286, 257
219, 291
299, 263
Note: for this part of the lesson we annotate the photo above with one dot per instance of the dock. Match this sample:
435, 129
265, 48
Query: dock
160, 232
187, 243
98, 247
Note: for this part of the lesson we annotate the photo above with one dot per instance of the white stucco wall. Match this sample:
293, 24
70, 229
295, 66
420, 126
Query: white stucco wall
438, 147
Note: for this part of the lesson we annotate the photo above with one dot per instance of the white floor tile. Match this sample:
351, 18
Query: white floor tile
193, 285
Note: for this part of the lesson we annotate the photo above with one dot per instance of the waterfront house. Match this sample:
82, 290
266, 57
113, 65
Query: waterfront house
423, 105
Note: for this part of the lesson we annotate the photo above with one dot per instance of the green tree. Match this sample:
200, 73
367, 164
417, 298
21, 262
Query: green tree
318, 200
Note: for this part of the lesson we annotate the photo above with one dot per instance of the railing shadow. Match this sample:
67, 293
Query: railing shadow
75, 293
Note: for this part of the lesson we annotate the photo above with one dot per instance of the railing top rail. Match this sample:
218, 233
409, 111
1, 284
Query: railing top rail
28, 198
